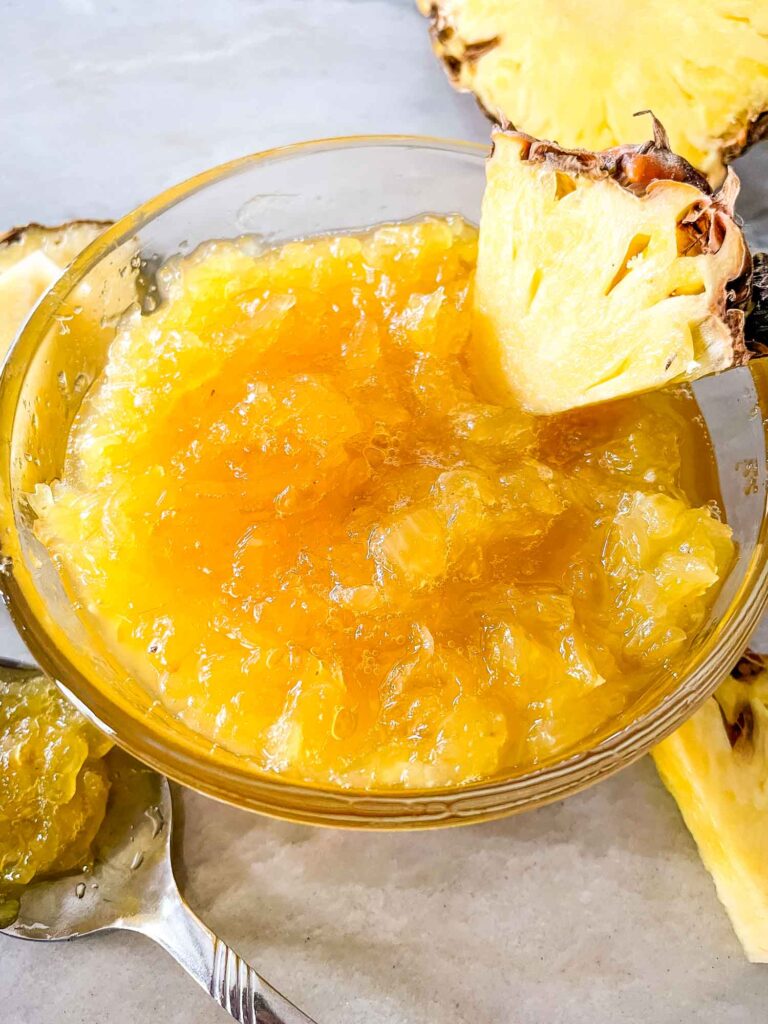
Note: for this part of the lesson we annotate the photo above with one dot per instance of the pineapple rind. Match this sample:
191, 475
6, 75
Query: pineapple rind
722, 793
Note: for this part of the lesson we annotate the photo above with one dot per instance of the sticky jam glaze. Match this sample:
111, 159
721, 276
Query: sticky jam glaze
53, 785
287, 503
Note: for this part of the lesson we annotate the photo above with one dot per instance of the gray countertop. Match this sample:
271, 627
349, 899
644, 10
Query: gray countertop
594, 911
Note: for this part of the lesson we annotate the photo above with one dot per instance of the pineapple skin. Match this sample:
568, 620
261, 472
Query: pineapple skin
716, 768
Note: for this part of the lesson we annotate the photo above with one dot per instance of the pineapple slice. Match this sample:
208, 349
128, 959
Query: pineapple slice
31, 259
603, 274
716, 768
577, 72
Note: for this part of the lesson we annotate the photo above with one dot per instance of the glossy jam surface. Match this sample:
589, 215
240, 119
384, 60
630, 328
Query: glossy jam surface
288, 505
53, 784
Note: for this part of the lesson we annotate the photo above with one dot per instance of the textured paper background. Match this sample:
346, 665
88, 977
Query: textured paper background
595, 911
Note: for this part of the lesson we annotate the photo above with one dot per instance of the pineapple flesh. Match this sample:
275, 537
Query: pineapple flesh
600, 275
576, 72
31, 259
716, 768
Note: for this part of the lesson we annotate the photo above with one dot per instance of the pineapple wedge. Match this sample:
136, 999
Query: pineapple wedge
603, 274
716, 768
31, 259
577, 71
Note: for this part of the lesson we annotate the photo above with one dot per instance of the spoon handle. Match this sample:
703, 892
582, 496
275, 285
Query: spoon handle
228, 979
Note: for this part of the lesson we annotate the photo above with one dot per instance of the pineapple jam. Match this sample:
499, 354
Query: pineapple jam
53, 785
287, 503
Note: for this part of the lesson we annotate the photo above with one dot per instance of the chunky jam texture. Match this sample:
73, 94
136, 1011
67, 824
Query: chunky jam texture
289, 505
53, 784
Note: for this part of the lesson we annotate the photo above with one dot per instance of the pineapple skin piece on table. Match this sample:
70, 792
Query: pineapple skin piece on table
600, 275
578, 71
716, 768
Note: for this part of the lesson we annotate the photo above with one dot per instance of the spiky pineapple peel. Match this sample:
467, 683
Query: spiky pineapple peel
576, 72
716, 768
600, 275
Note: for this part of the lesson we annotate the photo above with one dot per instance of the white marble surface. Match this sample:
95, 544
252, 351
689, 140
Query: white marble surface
596, 911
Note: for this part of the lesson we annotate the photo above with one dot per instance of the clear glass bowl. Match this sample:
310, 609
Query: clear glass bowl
282, 194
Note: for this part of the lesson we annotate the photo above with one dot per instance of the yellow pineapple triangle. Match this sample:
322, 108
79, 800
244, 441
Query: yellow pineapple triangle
716, 768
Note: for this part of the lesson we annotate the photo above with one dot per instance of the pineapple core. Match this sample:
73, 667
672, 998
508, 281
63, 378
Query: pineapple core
307, 534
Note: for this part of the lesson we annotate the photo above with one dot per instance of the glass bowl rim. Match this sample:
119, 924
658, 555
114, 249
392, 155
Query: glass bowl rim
325, 805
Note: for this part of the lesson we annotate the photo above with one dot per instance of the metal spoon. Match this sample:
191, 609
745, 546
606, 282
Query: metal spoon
132, 886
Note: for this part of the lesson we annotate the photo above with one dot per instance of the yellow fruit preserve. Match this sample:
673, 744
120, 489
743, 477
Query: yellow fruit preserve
53, 785
290, 509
